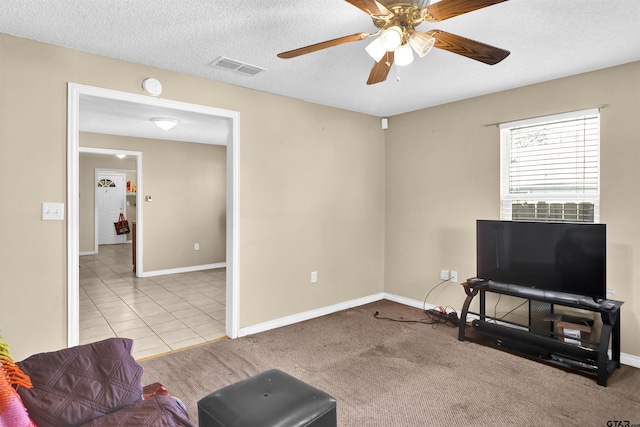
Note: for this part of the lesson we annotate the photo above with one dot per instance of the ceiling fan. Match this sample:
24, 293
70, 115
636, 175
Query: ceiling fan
397, 20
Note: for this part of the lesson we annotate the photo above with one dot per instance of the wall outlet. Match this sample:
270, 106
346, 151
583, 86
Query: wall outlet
196, 246
444, 274
454, 276
314, 276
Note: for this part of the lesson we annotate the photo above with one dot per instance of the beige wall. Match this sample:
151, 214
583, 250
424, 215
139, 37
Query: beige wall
311, 192
442, 173
187, 183
86, 202
320, 190
312, 199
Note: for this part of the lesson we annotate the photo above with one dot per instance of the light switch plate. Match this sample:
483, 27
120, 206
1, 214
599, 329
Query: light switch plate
52, 211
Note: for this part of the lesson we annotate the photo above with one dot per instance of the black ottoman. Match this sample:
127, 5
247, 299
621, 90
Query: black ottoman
269, 399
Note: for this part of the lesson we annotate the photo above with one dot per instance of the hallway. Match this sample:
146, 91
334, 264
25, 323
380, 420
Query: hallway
160, 314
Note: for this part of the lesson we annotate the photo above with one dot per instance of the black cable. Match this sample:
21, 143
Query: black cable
495, 307
453, 310
424, 303
437, 320
423, 321
432, 320
514, 308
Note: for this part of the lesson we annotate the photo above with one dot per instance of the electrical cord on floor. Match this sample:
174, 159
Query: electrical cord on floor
424, 303
442, 317
453, 311
423, 321
439, 318
432, 319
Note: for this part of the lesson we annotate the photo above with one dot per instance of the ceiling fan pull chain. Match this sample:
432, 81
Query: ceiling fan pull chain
398, 78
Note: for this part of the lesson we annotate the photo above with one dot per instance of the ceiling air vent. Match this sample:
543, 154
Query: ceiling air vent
237, 66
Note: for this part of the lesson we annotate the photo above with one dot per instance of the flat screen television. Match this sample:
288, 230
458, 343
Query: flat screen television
549, 256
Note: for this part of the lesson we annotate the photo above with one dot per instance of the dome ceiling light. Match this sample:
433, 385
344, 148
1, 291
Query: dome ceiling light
164, 123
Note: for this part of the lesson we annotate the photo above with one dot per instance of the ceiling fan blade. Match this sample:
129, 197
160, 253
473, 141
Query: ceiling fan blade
446, 9
470, 48
323, 45
372, 7
380, 69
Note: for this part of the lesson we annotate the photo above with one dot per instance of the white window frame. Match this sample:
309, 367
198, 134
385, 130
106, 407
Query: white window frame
507, 199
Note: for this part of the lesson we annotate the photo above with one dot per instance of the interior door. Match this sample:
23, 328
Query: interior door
110, 202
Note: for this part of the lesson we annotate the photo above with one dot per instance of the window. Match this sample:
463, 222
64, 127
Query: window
106, 183
551, 168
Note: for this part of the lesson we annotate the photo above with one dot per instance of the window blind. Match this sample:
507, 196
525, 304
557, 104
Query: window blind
550, 168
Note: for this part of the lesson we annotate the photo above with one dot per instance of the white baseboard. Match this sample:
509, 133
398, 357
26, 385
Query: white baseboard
411, 302
189, 269
308, 315
405, 301
625, 359
408, 301
629, 359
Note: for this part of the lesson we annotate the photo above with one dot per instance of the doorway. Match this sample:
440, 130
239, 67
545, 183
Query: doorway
230, 118
110, 202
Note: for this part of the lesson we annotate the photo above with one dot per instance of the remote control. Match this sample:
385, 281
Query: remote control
589, 303
607, 305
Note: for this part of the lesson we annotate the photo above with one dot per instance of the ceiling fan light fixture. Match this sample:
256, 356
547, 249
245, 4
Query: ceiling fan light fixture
376, 50
403, 55
421, 43
165, 124
121, 156
391, 38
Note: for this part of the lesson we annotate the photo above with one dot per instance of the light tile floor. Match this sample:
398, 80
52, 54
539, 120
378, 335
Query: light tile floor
160, 314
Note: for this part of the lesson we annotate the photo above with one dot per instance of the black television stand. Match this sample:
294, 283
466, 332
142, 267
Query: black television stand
545, 346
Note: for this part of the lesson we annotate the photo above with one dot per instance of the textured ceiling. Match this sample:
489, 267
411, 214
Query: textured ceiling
548, 39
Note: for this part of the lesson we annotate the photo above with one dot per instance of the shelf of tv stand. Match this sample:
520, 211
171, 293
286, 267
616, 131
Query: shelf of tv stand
542, 345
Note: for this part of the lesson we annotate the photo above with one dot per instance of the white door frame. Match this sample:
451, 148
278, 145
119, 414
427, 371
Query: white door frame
74, 93
97, 173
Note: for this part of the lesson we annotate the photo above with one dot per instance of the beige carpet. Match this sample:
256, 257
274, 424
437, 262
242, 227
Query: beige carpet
392, 374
